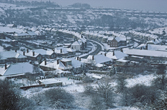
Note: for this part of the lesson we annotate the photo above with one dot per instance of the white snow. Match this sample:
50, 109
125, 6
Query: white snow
140, 79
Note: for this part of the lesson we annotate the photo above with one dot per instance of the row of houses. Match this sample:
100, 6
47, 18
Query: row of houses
112, 39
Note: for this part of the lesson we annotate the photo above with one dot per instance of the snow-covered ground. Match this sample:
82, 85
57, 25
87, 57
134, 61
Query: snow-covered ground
141, 79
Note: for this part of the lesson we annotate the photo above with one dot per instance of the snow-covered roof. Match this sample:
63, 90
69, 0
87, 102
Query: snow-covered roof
116, 55
99, 59
157, 47
10, 54
110, 38
150, 53
64, 50
50, 81
141, 46
122, 60
65, 60
9, 30
19, 68
29, 54
118, 39
43, 52
76, 43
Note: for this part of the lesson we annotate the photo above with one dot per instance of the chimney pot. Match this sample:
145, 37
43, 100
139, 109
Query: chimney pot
33, 53
57, 61
24, 53
60, 50
6, 67
45, 62
93, 57
27, 50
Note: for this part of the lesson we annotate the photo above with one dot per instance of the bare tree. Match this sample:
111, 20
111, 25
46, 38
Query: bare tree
97, 103
104, 90
160, 81
121, 83
56, 98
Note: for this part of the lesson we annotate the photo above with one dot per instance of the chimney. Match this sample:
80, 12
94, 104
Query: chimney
113, 53
79, 59
45, 62
6, 67
146, 46
24, 53
58, 61
53, 50
105, 54
33, 53
27, 50
121, 50
60, 50
93, 57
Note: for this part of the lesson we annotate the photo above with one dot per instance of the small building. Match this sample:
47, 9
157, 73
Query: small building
50, 82
76, 46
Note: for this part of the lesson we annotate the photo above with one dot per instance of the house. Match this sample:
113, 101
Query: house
116, 55
11, 57
11, 25
31, 55
156, 47
76, 46
46, 53
24, 35
65, 64
19, 69
117, 42
62, 51
98, 59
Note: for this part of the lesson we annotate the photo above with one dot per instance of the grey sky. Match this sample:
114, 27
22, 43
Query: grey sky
148, 5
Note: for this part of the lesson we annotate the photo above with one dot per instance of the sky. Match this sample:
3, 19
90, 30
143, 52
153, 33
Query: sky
146, 5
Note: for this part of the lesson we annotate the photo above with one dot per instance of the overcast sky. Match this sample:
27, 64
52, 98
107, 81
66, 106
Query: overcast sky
148, 5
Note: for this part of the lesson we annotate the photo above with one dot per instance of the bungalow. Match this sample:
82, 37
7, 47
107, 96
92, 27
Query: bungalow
31, 55
11, 57
19, 69
64, 64
46, 53
116, 55
98, 59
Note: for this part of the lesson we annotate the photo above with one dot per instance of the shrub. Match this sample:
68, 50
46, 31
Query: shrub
143, 94
59, 98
